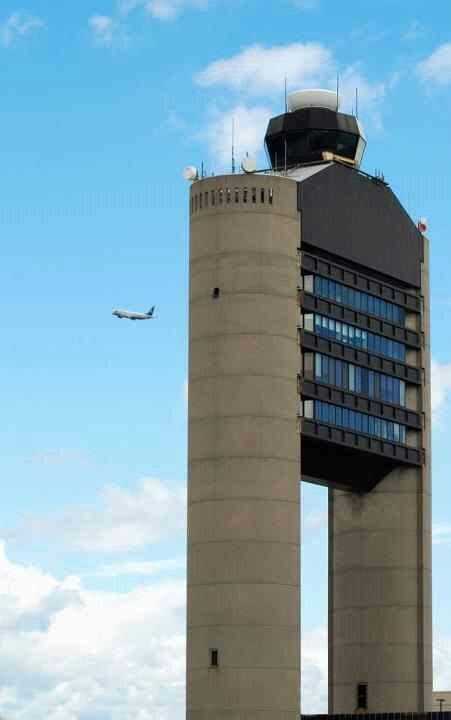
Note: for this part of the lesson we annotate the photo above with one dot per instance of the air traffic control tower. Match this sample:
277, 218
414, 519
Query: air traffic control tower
308, 360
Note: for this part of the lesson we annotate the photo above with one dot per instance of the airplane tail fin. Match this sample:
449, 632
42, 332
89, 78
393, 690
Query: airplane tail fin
151, 311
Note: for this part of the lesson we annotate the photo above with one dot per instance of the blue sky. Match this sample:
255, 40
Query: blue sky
103, 103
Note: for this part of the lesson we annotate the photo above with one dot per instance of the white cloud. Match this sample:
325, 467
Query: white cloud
370, 95
441, 534
442, 662
16, 25
250, 127
314, 675
313, 521
89, 655
69, 653
124, 520
104, 29
169, 9
161, 9
106, 655
437, 67
440, 388
141, 567
259, 70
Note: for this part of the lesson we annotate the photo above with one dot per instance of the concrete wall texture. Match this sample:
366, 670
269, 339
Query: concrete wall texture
243, 488
243, 485
380, 605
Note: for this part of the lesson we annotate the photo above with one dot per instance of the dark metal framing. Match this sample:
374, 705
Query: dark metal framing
316, 343
313, 303
357, 280
312, 390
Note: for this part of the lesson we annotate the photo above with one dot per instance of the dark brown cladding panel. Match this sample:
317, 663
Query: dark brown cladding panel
316, 343
343, 398
360, 219
311, 303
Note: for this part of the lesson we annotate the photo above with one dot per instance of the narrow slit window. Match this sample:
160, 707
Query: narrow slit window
200, 201
214, 657
237, 195
220, 196
229, 195
213, 198
270, 196
206, 199
245, 195
262, 195
254, 195
216, 293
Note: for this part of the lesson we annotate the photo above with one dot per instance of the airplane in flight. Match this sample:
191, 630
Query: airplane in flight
127, 315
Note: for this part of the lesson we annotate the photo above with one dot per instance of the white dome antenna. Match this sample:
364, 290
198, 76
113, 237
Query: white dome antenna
313, 98
249, 165
190, 173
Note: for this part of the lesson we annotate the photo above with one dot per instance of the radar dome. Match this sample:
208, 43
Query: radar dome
313, 98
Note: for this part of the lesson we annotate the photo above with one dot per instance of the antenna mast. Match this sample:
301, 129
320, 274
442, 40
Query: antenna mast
233, 146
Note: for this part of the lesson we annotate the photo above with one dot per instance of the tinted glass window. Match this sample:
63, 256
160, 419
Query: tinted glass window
358, 379
336, 330
359, 300
360, 422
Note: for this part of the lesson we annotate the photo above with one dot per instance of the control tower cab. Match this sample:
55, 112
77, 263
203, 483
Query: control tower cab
313, 130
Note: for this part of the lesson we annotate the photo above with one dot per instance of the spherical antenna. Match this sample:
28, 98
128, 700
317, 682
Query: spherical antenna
190, 173
249, 164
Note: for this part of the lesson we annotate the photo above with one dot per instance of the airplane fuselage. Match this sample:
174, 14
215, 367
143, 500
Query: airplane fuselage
128, 315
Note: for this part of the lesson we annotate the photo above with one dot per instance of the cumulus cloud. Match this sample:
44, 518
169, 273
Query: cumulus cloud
436, 68
441, 534
17, 25
314, 676
161, 9
169, 9
259, 70
104, 29
313, 521
440, 388
89, 655
141, 567
442, 662
123, 520
250, 126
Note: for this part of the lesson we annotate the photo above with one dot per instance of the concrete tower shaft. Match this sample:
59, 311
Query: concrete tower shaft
243, 484
380, 613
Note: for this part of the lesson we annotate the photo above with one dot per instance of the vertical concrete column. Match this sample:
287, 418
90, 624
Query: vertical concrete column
243, 482
380, 581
